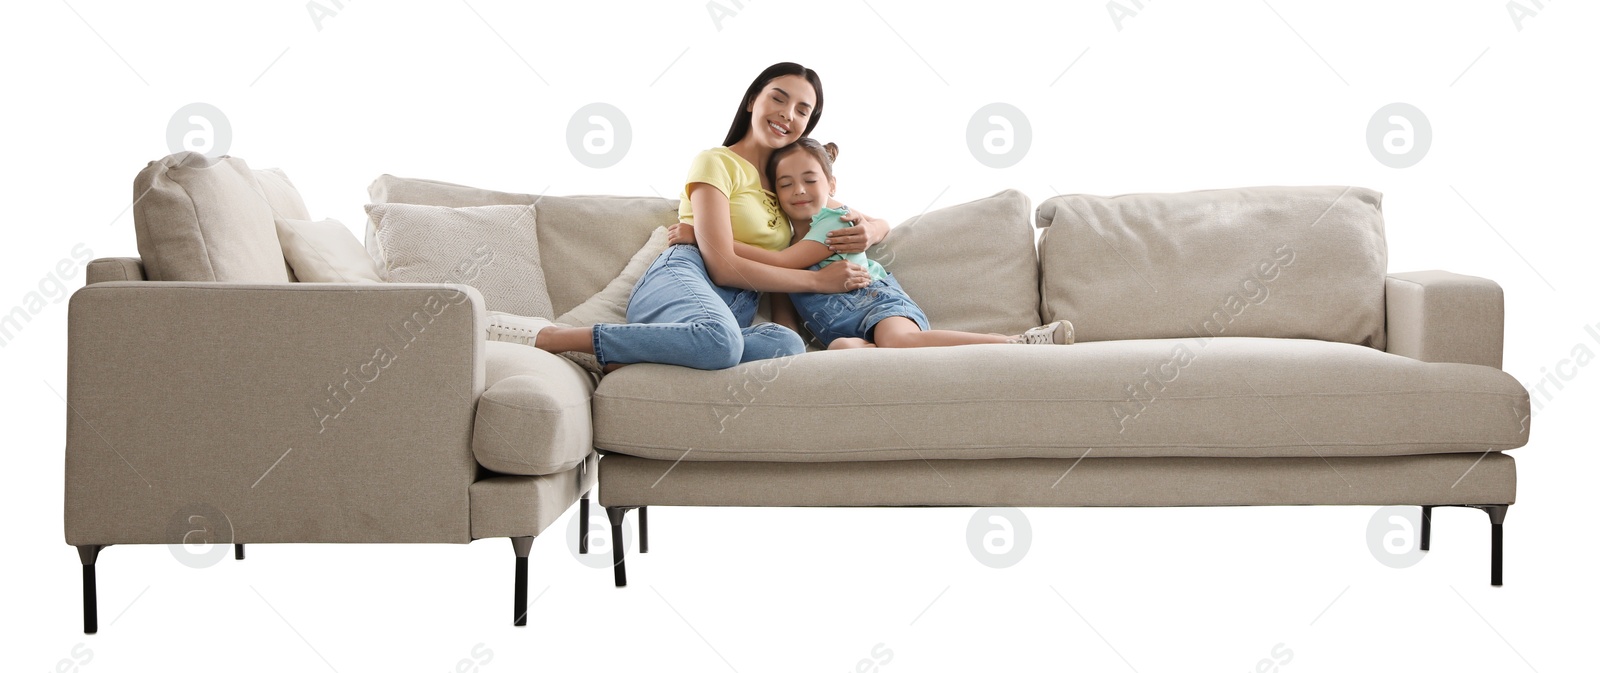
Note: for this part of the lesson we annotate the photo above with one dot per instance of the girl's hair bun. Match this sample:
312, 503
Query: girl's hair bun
833, 151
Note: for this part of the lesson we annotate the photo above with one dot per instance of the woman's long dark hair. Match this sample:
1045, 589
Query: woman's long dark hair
741, 120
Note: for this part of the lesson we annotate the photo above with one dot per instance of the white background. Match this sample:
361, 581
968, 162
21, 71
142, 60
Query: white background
1179, 96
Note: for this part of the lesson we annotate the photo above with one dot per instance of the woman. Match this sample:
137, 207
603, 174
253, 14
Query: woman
694, 306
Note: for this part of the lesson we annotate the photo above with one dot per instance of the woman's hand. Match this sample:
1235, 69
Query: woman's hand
867, 231
842, 276
680, 233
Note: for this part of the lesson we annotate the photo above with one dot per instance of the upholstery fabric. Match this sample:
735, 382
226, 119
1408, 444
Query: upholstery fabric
492, 248
515, 506
1438, 316
585, 241
971, 266
533, 417
610, 304
281, 194
1443, 479
107, 269
325, 252
1291, 262
311, 412
1223, 397
202, 219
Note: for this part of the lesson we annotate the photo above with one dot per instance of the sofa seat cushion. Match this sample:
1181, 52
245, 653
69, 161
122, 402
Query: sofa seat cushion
1217, 397
533, 417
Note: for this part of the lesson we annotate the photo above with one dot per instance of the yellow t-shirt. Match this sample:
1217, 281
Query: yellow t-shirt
757, 220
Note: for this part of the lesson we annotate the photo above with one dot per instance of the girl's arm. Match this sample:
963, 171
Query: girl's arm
714, 235
799, 254
788, 258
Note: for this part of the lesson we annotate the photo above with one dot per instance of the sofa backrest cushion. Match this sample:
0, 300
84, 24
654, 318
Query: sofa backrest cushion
492, 248
584, 241
206, 219
1288, 262
285, 202
281, 194
970, 266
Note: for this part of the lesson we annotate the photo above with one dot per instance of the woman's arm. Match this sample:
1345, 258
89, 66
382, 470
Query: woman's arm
714, 236
869, 231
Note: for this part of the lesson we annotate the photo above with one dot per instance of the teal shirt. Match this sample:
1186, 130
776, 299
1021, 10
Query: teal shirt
827, 220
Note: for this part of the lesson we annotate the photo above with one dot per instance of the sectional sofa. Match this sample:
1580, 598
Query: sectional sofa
1235, 347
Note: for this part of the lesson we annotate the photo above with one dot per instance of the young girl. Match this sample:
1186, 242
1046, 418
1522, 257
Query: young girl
880, 314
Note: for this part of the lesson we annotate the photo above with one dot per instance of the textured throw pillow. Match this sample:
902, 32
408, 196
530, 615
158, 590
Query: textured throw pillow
492, 248
202, 219
584, 240
970, 267
610, 305
325, 252
1284, 262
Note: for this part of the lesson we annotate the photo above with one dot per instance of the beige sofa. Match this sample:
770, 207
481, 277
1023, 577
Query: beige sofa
1236, 347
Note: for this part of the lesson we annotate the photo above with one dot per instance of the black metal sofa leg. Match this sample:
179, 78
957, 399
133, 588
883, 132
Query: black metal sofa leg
616, 514
644, 530
238, 552
583, 523
87, 554
1497, 520
1427, 527
519, 597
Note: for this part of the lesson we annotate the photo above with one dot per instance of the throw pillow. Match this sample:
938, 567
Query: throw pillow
325, 252
492, 248
585, 240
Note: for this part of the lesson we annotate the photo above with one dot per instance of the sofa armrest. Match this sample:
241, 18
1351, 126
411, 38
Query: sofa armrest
107, 269
315, 412
1438, 316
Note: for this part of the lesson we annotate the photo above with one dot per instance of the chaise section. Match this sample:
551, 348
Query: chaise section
533, 418
1218, 397
519, 506
1438, 316
297, 412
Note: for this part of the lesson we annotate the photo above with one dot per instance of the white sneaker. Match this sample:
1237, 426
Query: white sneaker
515, 328
1058, 333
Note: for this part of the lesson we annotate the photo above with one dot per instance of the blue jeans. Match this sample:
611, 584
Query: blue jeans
677, 316
855, 313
